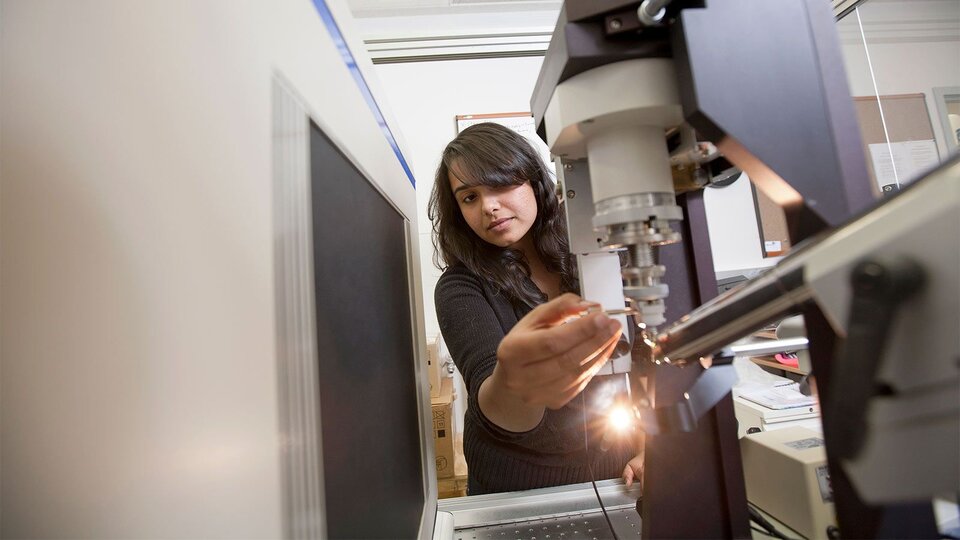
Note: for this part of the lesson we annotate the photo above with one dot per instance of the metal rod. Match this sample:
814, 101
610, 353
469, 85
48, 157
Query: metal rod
610, 312
734, 315
767, 347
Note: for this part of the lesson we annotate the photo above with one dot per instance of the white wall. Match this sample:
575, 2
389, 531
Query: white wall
732, 223
425, 98
913, 47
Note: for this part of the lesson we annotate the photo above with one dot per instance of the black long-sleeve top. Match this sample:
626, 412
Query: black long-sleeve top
473, 320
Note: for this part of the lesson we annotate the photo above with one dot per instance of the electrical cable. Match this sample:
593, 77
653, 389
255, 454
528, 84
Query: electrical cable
586, 456
763, 532
769, 528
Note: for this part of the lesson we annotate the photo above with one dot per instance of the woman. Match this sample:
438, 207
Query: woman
509, 317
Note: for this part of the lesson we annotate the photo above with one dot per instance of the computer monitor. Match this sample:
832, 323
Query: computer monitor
353, 397
368, 391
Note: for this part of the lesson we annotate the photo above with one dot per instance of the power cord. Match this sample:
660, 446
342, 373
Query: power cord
767, 527
586, 456
763, 532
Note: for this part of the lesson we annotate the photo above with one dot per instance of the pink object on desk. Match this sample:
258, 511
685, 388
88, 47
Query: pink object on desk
788, 359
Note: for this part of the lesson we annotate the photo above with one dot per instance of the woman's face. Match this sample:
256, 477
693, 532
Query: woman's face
501, 216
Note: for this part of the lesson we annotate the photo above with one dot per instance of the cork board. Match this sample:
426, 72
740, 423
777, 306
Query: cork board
907, 119
774, 235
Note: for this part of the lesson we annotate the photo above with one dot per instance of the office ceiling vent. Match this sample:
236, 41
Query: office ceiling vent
531, 4
842, 7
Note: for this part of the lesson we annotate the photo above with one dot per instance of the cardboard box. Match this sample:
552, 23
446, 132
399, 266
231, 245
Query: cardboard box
786, 476
443, 428
456, 485
433, 367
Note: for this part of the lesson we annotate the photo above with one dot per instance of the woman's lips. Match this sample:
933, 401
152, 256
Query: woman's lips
499, 224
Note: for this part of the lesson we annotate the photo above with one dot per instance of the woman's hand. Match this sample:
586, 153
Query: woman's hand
543, 363
634, 470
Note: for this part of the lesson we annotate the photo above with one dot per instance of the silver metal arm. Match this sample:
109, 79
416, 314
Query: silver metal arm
912, 429
769, 346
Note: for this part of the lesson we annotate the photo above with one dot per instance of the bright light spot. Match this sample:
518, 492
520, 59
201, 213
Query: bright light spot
620, 419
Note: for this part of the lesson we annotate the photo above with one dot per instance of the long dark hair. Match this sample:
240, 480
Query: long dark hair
492, 155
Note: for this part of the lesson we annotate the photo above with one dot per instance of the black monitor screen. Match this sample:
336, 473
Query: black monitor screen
372, 466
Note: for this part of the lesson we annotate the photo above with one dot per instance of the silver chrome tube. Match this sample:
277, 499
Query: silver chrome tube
767, 347
729, 317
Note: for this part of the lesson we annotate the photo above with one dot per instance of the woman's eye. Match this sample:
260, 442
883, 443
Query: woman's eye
469, 198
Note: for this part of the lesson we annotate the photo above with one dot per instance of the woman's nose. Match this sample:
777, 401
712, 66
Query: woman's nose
491, 203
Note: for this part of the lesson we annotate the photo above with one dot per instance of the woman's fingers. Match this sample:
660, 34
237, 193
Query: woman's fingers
556, 311
564, 397
561, 374
628, 475
581, 382
634, 470
585, 335
561, 399
547, 363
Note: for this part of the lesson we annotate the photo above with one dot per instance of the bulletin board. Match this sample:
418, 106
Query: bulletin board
772, 222
909, 128
911, 138
521, 122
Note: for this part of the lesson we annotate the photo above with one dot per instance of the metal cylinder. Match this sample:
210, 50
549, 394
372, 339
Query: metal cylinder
641, 255
628, 160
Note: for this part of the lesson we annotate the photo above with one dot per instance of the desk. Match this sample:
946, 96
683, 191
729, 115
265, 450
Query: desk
770, 362
761, 345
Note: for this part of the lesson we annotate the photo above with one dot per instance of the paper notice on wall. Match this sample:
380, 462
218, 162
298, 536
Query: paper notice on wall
900, 163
